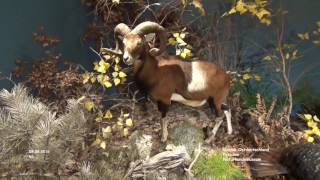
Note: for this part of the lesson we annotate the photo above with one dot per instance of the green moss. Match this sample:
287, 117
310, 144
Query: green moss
216, 167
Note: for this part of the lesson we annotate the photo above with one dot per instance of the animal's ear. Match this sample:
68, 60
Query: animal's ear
150, 37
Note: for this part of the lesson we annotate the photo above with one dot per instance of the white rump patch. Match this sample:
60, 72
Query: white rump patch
181, 99
198, 78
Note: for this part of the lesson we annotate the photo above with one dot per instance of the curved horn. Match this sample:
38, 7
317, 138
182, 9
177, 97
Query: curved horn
152, 27
119, 31
122, 30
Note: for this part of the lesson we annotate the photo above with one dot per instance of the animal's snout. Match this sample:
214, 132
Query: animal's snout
125, 56
127, 59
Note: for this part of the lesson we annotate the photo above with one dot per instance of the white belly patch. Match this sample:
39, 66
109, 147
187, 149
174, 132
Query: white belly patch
198, 78
181, 99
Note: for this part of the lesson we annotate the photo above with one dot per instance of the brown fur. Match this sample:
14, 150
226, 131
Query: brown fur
167, 75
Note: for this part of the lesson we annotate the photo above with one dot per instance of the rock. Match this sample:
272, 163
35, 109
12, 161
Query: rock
140, 146
187, 135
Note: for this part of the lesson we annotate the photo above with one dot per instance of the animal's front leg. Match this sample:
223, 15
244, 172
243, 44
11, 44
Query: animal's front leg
163, 108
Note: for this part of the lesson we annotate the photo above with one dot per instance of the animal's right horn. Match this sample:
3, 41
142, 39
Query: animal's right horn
152, 27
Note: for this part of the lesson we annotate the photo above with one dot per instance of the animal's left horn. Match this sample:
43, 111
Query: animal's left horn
120, 31
152, 27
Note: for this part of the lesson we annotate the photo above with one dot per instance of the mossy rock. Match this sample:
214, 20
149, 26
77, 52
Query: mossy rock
187, 135
216, 166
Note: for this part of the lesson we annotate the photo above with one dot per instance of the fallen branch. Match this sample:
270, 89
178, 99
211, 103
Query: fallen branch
166, 160
188, 171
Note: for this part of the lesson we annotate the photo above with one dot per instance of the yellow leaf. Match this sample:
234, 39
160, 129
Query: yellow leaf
125, 132
247, 70
311, 124
181, 41
115, 1
172, 41
85, 77
119, 123
107, 129
240, 7
257, 77
316, 118
107, 84
246, 76
199, 6
116, 81
303, 36
81, 98
108, 115
232, 11
175, 35
93, 79
265, 21
89, 105
103, 145
241, 81
287, 56
129, 122
189, 46
262, 13
308, 132
100, 78
178, 52
182, 35
102, 66
99, 117
252, 8
97, 141
106, 132
115, 74
294, 53
261, 3
267, 58
117, 59
185, 53
307, 116
104, 80
126, 115
117, 67
315, 130
122, 74
106, 154
310, 139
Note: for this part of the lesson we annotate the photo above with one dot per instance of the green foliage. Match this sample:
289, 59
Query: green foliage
216, 166
248, 93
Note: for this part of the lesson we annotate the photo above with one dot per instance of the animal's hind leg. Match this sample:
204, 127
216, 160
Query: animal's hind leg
216, 105
163, 108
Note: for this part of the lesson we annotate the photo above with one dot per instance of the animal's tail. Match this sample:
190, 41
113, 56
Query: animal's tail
227, 111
